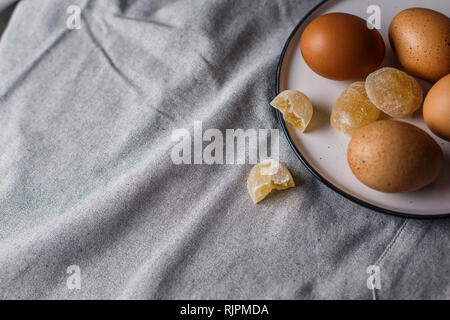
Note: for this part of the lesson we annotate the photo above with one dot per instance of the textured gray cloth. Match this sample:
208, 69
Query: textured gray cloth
86, 177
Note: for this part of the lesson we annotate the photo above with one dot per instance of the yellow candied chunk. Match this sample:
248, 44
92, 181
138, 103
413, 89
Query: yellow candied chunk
296, 108
353, 109
268, 175
394, 92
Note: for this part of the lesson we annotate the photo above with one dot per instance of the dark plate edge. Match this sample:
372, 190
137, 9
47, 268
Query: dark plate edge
305, 162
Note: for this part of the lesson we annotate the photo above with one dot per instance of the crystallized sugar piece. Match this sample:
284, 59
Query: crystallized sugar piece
394, 92
267, 176
297, 109
353, 109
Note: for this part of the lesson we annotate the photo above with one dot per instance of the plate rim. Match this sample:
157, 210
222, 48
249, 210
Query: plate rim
303, 160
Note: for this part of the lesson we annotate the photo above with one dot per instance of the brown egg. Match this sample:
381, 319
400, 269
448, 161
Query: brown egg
339, 46
420, 38
436, 108
394, 156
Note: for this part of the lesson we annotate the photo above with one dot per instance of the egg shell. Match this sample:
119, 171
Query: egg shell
394, 156
340, 46
420, 39
436, 108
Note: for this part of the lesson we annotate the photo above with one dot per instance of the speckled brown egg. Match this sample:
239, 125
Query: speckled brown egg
394, 156
339, 46
436, 108
420, 39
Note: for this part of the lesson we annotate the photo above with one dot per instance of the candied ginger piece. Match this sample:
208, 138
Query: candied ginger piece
353, 109
296, 108
394, 92
268, 175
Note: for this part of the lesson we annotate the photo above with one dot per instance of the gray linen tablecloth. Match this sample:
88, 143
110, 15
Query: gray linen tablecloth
86, 177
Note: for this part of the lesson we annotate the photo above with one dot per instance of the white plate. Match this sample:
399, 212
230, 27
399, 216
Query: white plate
323, 150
